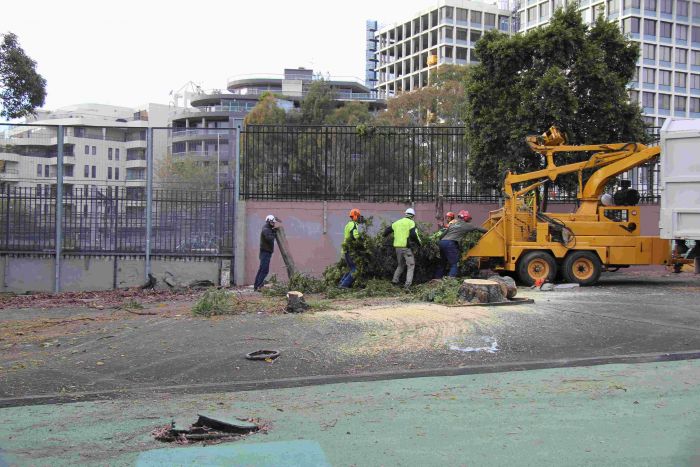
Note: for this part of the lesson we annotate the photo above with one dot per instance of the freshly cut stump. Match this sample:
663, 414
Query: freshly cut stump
510, 290
296, 302
481, 291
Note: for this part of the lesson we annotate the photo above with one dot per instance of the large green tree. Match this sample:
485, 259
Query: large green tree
567, 74
22, 89
318, 103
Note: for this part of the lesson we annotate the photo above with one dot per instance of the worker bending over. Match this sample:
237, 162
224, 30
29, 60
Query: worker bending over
449, 243
404, 231
350, 234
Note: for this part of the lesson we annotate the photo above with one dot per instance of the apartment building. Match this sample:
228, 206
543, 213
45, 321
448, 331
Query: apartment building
103, 146
406, 52
667, 80
203, 130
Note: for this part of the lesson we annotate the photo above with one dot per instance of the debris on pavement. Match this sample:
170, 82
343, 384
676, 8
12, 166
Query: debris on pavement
207, 428
492, 346
267, 355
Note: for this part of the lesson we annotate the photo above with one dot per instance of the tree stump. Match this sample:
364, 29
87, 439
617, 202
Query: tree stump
481, 291
296, 302
510, 290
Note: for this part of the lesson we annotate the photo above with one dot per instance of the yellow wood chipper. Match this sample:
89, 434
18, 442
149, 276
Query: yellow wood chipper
577, 246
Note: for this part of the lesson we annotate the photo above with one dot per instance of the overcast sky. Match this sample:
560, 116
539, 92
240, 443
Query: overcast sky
131, 52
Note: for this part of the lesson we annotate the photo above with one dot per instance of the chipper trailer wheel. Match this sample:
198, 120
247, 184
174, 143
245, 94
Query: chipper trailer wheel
582, 267
536, 265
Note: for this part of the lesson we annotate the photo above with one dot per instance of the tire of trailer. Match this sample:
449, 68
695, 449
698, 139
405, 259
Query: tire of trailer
582, 267
535, 265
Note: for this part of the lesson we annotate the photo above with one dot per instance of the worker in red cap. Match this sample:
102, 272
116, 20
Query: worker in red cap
449, 244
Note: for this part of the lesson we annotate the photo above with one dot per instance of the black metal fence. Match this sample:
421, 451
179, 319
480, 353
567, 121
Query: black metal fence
112, 220
356, 163
374, 164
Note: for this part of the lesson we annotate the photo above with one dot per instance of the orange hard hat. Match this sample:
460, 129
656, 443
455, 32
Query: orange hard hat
464, 215
450, 215
355, 214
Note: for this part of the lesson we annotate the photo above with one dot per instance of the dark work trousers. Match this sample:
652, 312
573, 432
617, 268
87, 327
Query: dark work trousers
264, 268
449, 254
347, 279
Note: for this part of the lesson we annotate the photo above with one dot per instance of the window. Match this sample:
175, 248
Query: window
681, 32
649, 52
38, 170
109, 154
682, 7
635, 77
695, 57
68, 171
94, 172
696, 10
630, 25
695, 81
665, 29
447, 12
461, 53
649, 75
532, 14
490, 19
461, 34
664, 77
87, 149
544, 10
116, 154
666, 6
462, 14
86, 171
94, 151
695, 104
474, 36
650, 5
613, 7
648, 99
116, 173
38, 190
695, 34
649, 27
109, 173
597, 11
664, 53
664, 101
631, 4
46, 170
679, 104
476, 17
681, 56
447, 33
681, 79
634, 96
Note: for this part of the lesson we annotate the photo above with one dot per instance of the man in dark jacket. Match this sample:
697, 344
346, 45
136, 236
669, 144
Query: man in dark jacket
449, 244
267, 247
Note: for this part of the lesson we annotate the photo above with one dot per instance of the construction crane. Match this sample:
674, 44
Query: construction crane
539, 246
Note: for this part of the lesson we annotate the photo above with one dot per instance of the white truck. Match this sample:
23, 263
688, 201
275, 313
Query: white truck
679, 181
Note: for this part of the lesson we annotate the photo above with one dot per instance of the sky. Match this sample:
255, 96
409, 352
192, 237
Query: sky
129, 52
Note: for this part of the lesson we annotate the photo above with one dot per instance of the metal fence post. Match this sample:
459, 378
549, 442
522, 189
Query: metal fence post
236, 194
413, 166
59, 207
327, 145
149, 198
7, 217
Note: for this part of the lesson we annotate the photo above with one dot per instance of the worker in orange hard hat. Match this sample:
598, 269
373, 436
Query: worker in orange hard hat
449, 243
350, 234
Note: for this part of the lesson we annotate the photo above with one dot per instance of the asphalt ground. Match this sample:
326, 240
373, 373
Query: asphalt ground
607, 415
85, 354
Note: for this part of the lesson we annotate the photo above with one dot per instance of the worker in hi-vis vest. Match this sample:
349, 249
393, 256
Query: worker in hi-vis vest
404, 231
350, 234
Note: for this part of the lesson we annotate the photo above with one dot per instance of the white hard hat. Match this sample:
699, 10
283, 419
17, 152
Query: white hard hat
606, 199
270, 218
410, 211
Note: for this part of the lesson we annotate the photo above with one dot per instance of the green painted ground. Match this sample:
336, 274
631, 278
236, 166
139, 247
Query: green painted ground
646, 414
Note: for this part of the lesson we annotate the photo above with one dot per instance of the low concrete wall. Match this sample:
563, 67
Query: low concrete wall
315, 229
35, 272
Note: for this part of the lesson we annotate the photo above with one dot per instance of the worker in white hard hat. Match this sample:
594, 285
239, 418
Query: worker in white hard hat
267, 247
404, 231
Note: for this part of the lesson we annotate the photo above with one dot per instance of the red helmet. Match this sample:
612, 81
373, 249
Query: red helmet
355, 214
464, 215
450, 215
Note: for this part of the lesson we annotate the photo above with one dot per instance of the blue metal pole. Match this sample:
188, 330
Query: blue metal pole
59, 206
149, 198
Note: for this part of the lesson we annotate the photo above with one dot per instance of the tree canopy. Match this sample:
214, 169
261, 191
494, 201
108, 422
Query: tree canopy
22, 89
567, 74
